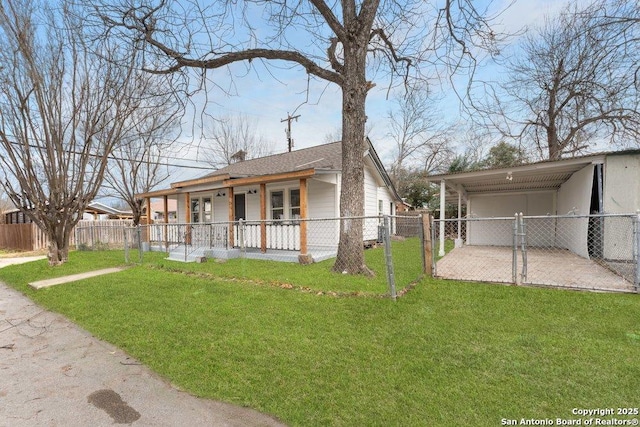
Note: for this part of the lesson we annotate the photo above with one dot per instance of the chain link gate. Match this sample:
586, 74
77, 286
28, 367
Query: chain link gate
597, 252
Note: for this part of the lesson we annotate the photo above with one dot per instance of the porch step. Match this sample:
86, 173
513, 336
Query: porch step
193, 254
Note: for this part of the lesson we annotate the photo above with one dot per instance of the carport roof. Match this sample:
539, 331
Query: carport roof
540, 176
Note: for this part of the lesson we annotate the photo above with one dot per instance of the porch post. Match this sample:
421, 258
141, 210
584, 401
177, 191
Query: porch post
165, 207
187, 220
303, 216
187, 209
442, 208
263, 218
232, 215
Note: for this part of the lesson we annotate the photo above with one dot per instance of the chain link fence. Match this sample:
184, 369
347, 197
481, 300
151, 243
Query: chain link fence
393, 245
598, 252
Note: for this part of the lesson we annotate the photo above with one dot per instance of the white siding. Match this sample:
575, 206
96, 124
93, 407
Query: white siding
370, 194
622, 184
181, 210
321, 199
220, 208
253, 206
322, 204
621, 195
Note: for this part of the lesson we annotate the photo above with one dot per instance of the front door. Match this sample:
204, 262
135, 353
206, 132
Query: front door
240, 206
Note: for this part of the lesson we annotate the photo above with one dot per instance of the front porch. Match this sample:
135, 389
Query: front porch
194, 254
269, 240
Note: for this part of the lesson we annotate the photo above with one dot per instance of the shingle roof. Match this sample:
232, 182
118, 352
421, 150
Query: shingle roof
326, 156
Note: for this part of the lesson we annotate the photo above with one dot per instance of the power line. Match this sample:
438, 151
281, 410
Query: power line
113, 157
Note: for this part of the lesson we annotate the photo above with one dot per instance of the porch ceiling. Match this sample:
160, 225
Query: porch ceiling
543, 176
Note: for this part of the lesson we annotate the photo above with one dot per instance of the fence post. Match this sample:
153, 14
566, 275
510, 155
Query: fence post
126, 245
433, 242
514, 260
637, 253
388, 258
139, 233
523, 243
427, 255
241, 234
187, 235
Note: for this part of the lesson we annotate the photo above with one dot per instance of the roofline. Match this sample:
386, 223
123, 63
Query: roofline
158, 193
382, 170
202, 180
264, 179
544, 164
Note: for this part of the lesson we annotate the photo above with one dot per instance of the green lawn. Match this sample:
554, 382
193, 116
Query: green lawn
446, 353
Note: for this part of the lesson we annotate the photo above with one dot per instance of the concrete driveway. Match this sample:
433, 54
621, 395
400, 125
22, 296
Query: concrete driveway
56, 374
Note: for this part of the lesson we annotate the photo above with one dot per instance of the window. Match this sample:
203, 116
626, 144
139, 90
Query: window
206, 209
380, 208
277, 205
294, 203
201, 209
195, 210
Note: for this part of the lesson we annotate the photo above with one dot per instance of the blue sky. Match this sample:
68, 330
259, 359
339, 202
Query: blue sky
268, 99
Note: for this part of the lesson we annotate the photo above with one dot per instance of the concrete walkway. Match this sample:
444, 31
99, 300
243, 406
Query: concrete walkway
73, 278
56, 374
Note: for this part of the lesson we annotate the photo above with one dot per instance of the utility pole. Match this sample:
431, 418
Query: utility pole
288, 129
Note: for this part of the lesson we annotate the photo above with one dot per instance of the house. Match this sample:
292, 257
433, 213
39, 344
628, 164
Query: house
275, 196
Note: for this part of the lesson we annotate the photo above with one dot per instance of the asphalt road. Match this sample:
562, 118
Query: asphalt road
53, 373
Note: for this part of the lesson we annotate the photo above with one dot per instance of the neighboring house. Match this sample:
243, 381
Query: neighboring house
95, 211
157, 211
279, 191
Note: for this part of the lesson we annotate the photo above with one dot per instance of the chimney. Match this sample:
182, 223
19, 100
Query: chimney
239, 156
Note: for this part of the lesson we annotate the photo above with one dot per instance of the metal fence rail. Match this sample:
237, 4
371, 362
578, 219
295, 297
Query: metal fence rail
573, 251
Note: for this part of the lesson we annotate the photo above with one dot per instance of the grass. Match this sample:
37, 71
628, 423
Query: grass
317, 276
446, 353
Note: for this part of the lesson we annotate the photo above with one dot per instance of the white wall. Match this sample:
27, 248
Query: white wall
621, 195
500, 232
322, 200
370, 193
322, 204
575, 196
622, 184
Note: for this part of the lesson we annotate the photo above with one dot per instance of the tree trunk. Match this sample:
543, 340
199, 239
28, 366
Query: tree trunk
350, 257
58, 245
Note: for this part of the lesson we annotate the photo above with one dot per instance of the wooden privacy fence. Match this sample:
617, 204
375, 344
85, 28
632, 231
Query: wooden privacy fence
28, 237
21, 237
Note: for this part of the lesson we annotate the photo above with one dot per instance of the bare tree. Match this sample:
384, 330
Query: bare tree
136, 166
63, 107
5, 205
339, 42
575, 83
422, 139
232, 136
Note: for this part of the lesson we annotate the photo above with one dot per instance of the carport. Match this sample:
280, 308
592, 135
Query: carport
577, 227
